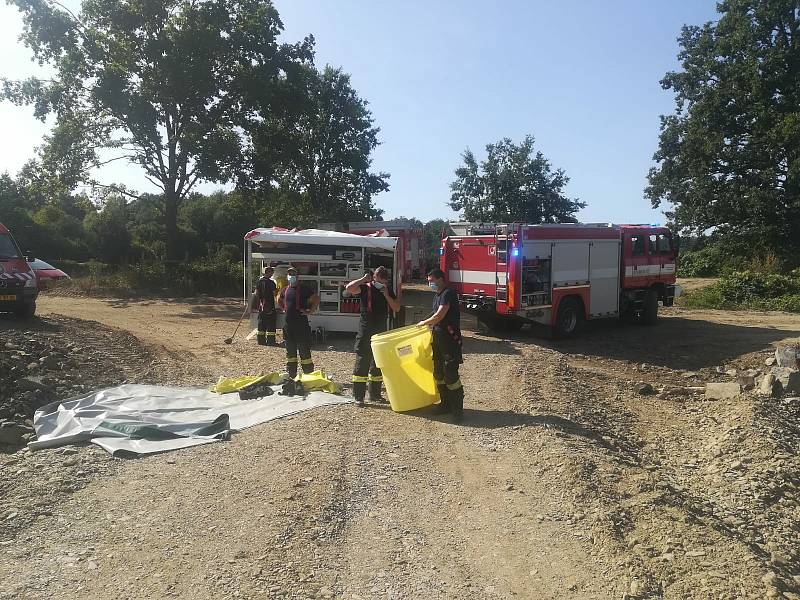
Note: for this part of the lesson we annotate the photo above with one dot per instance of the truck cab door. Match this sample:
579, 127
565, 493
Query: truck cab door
666, 253
637, 268
653, 257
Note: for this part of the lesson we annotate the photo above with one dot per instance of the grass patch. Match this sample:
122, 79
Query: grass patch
749, 290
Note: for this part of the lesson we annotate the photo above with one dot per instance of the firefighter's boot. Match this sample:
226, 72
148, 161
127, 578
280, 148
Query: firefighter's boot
444, 401
261, 338
375, 391
359, 390
457, 404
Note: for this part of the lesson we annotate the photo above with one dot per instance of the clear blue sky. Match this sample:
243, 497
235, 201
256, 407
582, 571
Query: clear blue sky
581, 76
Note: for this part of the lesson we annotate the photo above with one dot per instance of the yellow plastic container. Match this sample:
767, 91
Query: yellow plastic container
405, 356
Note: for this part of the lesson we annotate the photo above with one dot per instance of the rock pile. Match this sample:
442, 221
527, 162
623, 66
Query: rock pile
56, 359
784, 376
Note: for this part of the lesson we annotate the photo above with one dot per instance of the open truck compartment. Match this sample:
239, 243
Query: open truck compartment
326, 261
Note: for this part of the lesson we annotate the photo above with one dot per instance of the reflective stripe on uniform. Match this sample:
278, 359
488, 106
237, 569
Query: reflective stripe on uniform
454, 386
262, 333
376, 377
359, 379
291, 360
307, 361
439, 381
271, 333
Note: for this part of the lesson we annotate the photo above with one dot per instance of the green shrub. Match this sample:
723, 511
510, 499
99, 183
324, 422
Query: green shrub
747, 289
720, 258
214, 276
707, 262
695, 264
75, 269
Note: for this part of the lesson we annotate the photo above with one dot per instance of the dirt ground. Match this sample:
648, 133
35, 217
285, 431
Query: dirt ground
563, 481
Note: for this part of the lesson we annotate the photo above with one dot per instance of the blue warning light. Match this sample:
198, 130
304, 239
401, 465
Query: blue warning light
515, 252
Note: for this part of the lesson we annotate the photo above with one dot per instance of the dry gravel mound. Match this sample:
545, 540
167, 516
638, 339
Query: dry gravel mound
55, 358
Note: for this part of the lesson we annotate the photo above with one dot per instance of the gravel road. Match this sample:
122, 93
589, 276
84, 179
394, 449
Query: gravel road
564, 481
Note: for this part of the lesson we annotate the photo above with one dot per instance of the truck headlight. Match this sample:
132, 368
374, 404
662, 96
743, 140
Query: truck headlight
31, 283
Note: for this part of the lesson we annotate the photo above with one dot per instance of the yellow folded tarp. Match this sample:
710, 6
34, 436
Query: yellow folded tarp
315, 381
225, 385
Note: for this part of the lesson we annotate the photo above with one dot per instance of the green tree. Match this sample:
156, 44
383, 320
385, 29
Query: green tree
219, 219
58, 234
15, 211
432, 235
146, 224
110, 238
318, 142
729, 157
513, 184
168, 85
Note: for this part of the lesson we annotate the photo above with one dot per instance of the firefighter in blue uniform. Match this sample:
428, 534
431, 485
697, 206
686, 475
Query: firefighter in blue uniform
377, 298
265, 291
297, 302
447, 356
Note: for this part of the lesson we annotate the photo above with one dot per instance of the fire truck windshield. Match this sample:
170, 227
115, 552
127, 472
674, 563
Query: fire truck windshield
7, 248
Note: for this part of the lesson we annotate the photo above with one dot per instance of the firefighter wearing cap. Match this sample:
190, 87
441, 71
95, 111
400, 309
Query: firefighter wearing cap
447, 357
297, 302
265, 292
377, 298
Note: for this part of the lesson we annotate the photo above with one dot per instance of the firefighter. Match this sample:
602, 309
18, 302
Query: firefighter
297, 302
265, 292
447, 356
377, 298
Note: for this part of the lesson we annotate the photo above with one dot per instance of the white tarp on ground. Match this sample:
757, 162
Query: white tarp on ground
322, 237
142, 419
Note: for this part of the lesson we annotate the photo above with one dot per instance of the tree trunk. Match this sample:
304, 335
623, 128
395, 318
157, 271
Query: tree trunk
171, 224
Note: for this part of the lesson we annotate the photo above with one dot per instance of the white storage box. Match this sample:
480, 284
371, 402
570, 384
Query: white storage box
329, 296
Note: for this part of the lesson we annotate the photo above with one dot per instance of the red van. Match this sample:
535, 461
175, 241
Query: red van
18, 288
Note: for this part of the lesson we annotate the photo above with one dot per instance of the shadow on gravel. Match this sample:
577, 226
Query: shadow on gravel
147, 300
501, 419
475, 345
10, 322
675, 343
197, 308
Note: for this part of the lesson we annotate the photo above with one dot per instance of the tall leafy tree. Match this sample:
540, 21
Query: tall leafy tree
514, 184
729, 157
432, 235
108, 232
169, 85
317, 143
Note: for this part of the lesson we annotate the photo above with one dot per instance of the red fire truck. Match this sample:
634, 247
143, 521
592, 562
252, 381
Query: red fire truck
560, 275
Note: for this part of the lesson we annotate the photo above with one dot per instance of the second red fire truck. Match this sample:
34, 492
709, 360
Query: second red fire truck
560, 275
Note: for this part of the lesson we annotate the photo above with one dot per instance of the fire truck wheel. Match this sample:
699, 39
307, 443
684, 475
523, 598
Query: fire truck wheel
569, 318
650, 314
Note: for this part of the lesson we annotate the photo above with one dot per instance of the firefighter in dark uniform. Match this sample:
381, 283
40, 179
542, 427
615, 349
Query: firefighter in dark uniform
265, 292
447, 357
297, 302
377, 298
